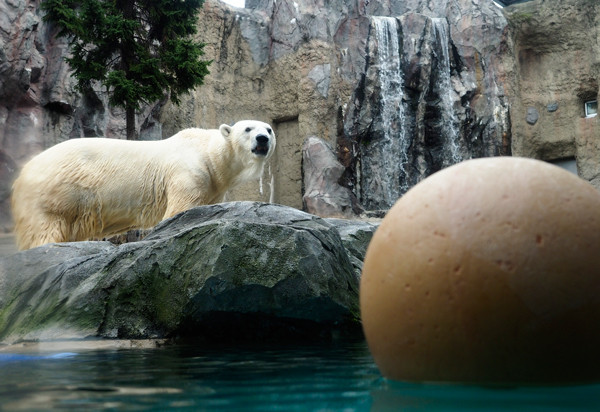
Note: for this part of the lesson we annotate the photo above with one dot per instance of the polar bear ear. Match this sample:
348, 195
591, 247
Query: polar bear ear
225, 130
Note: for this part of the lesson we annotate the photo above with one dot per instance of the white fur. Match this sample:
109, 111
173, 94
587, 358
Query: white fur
94, 187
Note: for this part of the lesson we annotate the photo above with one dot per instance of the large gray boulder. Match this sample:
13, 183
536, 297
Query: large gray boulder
226, 272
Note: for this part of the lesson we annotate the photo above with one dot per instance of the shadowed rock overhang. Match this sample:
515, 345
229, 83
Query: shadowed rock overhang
509, 2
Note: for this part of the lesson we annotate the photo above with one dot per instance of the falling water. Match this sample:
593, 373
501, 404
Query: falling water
270, 183
393, 147
450, 121
260, 185
272, 187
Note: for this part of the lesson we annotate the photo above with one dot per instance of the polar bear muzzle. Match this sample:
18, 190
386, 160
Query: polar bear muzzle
261, 146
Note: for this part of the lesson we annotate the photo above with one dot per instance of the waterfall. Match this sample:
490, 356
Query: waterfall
450, 121
394, 155
393, 146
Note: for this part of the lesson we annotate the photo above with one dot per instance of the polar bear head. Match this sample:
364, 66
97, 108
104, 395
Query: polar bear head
250, 137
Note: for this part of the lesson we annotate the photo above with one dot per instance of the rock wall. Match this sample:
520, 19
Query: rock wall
272, 63
397, 90
311, 68
437, 104
39, 106
553, 66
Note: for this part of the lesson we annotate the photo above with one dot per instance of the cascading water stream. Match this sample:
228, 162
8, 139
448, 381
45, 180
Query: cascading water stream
389, 164
394, 145
450, 121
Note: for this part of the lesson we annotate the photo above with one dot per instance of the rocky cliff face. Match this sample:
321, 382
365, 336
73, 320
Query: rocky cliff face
39, 106
553, 67
398, 90
428, 98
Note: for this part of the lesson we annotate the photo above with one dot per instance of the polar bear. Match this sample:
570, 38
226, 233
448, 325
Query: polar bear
97, 187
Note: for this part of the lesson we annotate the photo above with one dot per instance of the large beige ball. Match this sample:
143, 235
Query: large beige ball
488, 271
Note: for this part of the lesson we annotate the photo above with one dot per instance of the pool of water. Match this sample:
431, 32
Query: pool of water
300, 378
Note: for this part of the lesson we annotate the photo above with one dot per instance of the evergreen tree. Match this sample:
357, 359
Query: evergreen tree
137, 49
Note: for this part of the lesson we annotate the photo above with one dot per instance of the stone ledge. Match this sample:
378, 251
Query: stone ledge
275, 270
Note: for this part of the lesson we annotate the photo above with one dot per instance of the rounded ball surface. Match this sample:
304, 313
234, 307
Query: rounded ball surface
487, 271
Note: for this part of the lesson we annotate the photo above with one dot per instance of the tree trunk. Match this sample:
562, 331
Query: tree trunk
128, 8
130, 123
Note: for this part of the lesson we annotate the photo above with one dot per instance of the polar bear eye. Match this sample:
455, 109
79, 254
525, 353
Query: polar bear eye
269, 131
248, 129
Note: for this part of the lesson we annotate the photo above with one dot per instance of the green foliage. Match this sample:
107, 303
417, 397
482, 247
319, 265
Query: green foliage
138, 49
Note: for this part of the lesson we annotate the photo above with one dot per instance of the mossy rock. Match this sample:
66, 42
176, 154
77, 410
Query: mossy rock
241, 270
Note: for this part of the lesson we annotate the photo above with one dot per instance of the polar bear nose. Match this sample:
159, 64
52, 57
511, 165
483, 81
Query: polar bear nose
262, 139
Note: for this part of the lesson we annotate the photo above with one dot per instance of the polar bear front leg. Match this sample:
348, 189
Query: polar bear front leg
50, 229
177, 206
183, 196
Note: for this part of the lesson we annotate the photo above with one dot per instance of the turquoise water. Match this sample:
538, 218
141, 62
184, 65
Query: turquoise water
302, 378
